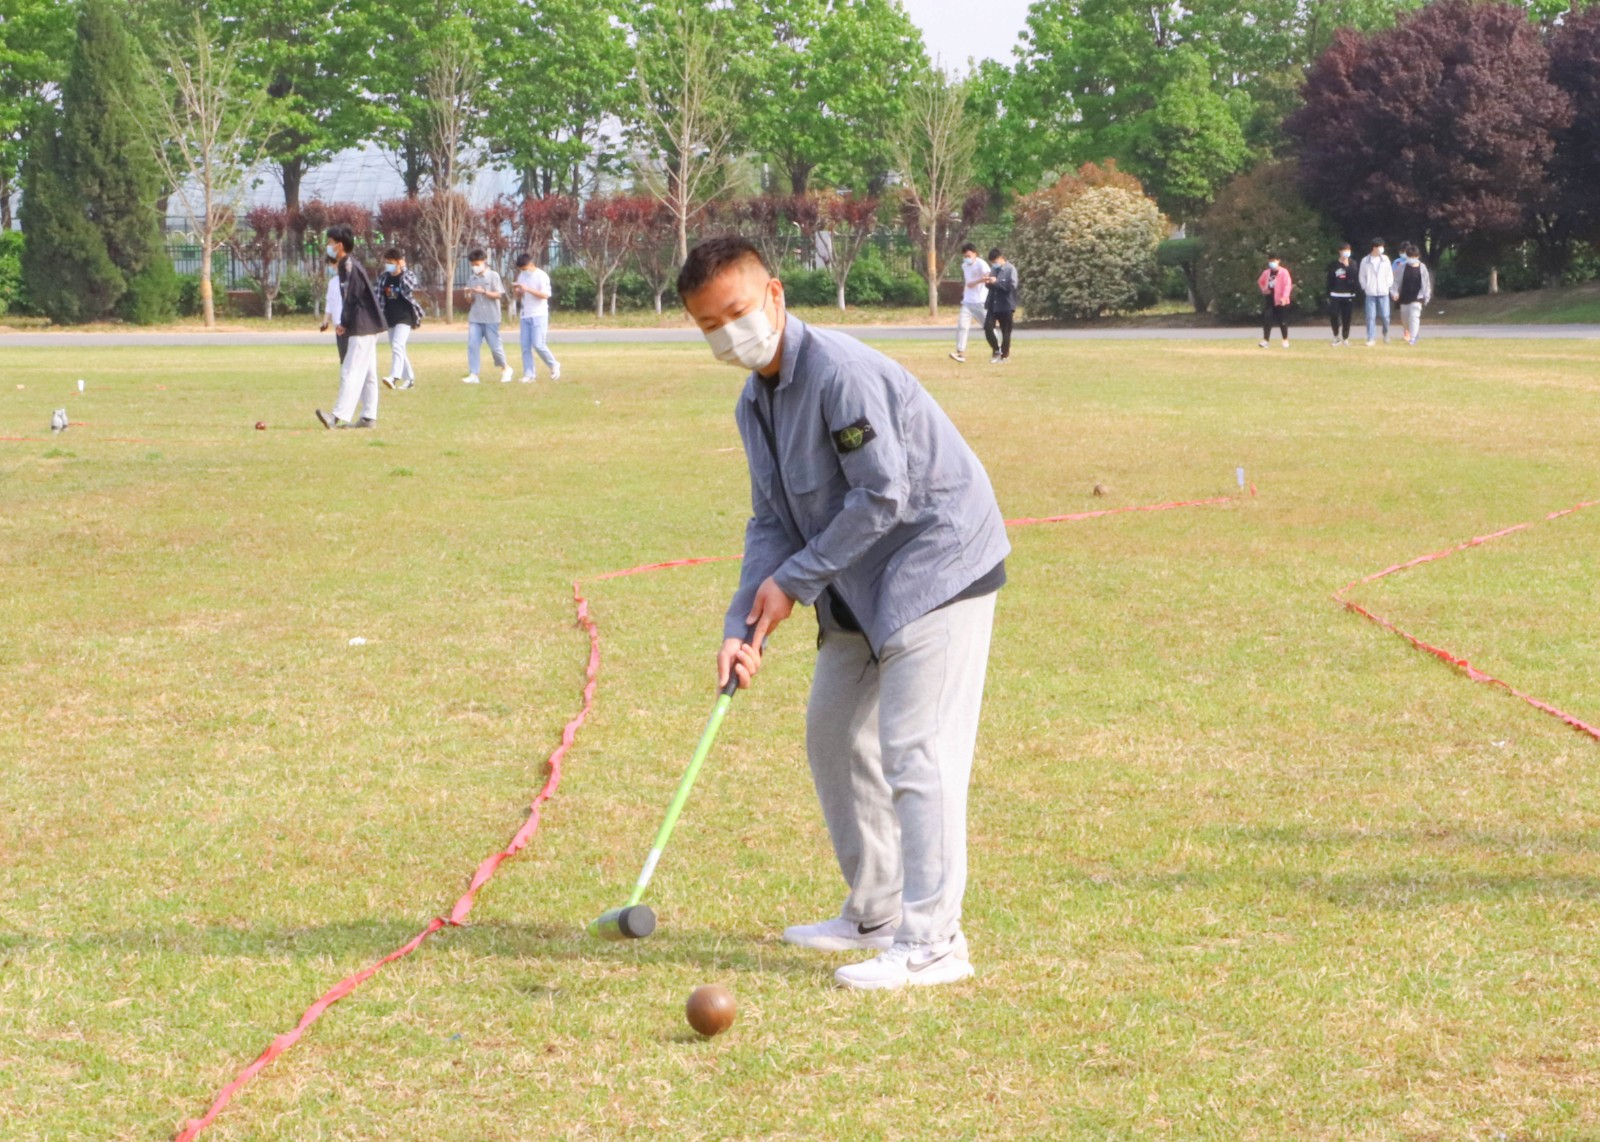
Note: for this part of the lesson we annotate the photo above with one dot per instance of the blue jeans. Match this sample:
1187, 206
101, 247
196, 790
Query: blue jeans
533, 331
477, 333
1377, 307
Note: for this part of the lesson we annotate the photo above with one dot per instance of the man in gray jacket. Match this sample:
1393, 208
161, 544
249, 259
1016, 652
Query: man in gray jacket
868, 505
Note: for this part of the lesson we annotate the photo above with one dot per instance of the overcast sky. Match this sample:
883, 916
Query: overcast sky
957, 29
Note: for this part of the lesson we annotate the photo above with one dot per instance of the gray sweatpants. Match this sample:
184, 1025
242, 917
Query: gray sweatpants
890, 745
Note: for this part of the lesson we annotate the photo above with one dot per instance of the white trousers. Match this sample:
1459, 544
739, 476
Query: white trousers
358, 379
399, 360
971, 313
890, 745
1411, 315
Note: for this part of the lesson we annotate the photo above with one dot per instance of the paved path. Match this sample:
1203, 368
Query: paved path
1310, 334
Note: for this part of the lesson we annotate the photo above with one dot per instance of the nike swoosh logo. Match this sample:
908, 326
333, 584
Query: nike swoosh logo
863, 930
913, 966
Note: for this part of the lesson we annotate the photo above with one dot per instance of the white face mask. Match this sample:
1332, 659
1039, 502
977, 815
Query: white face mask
750, 342
390, 268
478, 270
1378, 253
333, 251
1272, 265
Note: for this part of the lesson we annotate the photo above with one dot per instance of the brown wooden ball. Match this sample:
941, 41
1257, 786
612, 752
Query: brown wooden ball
710, 1009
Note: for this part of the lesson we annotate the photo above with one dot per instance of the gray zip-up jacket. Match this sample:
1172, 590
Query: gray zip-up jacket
875, 492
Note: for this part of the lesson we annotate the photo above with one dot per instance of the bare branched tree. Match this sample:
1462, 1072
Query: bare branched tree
208, 131
689, 101
449, 89
933, 148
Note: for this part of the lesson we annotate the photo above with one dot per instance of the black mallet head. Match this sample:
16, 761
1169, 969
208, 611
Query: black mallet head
634, 922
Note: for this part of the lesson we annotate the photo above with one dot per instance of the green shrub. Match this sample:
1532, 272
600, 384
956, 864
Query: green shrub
152, 296
571, 289
297, 293
188, 295
11, 297
1090, 251
1262, 212
810, 287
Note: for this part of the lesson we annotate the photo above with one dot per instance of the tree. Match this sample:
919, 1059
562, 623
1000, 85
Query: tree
557, 70
1262, 212
656, 251
829, 73
205, 131
1440, 128
605, 235
35, 45
1569, 210
540, 220
450, 116
689, 90
260, 248
93, 241
850, 220
1189, 143
1089, 249
933, 147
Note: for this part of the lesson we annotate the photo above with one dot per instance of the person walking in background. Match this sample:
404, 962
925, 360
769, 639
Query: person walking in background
973, 294
1341, 294
485, 289
1376, 278
1001, 305
532, 291
1413, 289
1276, 288
397, 286
360, 320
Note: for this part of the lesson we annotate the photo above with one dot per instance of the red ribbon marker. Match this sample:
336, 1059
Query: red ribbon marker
490, 864
1446, 656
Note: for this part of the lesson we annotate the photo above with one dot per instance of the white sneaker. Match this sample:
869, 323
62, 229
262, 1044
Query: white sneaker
527, 378
388, 382
505, 375
470, 379
910, 965
996, 359
1336, 342
1261, 344
1284, 343
841, 935
1370, 342
555, 371
959, 357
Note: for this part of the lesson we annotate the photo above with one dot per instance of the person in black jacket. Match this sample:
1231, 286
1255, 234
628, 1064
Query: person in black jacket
1342, 290
397, 286
1001, 305
360, 320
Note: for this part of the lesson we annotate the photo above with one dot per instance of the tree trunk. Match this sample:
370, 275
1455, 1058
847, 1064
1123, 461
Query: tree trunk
600, 299
292, 172
1494, 279
267, 298
933, 271
799, 177
208, 307
5, 202
841, 295
615, 286
659, 292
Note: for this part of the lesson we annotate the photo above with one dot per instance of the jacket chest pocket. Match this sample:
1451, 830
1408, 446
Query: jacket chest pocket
816, 484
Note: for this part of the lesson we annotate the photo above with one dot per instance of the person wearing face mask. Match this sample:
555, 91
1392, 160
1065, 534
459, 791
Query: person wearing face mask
360, 321
1341, 295
1376, 278
1276, 286
869, 506
1413, 289
974, 293
397, 286
332, 305
485, 289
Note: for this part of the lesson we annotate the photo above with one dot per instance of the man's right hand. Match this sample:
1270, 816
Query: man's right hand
740, 657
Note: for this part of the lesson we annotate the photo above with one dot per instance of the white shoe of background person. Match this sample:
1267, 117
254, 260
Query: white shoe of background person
505, 375
910, 965
527, 378
960, 358
388, 383
555, 371
470, 379
841, 935
1285, 344
1263, 344
1336, 342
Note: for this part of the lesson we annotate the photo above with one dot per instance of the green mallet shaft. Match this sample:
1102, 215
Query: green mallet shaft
634, 920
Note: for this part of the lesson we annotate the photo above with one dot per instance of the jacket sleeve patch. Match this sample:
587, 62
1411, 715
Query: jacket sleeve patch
853, 436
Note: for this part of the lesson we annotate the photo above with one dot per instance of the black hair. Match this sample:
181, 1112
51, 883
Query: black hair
1271, 257
711, 257
476, 254
1411, 250
393, 253
997, 252
968, 248
343, 235
524, 260
1378, 242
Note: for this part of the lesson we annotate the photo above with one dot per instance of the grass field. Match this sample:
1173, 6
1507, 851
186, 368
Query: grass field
1244, 866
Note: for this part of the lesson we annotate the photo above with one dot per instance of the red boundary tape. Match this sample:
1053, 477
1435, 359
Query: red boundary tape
487, 867
1446, 656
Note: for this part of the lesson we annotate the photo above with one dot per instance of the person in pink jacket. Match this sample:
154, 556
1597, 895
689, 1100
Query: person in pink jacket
1276, 286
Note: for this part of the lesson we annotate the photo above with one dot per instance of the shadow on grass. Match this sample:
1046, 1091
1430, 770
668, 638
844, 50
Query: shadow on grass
370, 940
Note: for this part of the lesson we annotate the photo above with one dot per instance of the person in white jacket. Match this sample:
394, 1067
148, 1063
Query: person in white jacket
1377, 282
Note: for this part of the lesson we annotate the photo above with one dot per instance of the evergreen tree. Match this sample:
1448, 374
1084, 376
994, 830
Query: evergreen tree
93, 239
